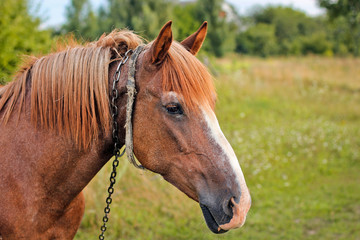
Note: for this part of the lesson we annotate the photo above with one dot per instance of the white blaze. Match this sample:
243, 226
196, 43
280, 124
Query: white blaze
229, 155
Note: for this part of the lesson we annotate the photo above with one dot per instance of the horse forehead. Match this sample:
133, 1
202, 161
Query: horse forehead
172, 95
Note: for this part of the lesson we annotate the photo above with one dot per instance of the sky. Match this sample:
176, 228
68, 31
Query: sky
53, 11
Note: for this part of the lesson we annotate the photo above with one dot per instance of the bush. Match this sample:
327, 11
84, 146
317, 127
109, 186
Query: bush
258, 40
316, 44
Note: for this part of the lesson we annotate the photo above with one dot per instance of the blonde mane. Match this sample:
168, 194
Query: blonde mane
69, 89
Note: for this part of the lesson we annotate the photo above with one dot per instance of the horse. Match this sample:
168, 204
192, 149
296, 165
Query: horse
56, 131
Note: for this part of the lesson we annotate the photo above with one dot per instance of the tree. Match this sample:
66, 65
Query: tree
146, 17
222, 31
20, 35
316, 44
349, 10
290, 26
81, 20
283, 31
184, 16
258, 40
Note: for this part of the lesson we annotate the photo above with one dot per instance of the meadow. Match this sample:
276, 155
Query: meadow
294, 124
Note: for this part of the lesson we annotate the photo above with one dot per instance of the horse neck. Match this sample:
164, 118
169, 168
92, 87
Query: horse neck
88, 163
55, 161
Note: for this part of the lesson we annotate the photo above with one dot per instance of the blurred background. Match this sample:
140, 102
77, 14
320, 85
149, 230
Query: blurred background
288, 81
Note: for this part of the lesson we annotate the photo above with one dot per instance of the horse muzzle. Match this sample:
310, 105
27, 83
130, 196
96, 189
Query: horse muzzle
226, 214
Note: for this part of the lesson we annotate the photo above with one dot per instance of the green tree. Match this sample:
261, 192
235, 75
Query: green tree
349, 11
146, 17
222, 30
339, 31
283, 31
316, 43
184, 19
290, 25
81, 20
20, 34
258, 40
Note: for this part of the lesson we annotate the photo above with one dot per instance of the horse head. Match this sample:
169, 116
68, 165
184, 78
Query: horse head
176, 132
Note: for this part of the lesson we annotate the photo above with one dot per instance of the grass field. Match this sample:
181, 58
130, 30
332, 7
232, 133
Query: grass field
294, 124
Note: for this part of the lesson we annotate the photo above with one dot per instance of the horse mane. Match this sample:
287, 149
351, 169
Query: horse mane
185, 74
69, 88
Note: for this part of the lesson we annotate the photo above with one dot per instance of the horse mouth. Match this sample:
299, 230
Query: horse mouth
210, 220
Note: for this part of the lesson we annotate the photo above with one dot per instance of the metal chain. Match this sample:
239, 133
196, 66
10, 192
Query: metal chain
117, 154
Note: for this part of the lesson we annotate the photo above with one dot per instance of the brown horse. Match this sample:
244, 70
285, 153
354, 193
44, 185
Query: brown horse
56, 133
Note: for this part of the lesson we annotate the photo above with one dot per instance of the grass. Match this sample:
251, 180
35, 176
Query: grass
294, 124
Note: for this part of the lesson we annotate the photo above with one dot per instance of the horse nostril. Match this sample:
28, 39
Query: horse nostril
231, 203
228, 205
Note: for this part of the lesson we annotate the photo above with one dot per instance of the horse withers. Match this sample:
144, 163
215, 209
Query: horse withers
56, 132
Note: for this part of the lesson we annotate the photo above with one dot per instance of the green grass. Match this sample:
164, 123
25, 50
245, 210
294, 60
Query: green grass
294, 124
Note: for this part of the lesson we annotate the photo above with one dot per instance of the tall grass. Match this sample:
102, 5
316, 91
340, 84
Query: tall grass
294, 124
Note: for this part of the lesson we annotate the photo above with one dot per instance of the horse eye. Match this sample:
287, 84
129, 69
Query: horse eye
174, 108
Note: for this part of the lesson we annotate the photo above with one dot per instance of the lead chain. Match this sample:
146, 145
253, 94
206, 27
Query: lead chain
117, 154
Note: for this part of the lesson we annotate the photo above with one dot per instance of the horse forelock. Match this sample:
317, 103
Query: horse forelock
184, 74
69, 88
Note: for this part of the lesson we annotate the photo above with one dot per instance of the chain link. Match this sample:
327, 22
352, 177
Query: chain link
117, 154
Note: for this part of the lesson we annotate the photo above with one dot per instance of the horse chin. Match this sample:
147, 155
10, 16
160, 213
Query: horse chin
210, 220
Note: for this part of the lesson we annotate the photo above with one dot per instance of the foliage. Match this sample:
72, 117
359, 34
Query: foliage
185, 24
271, 30
316, 43
147, 17
81, 20
259, 40
283, 31
19, 35
348, 11
221, 31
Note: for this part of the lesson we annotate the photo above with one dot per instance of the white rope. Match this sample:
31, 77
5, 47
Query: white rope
131, 92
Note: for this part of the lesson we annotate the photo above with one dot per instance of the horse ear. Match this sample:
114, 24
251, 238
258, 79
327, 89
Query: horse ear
194, 42
161, 45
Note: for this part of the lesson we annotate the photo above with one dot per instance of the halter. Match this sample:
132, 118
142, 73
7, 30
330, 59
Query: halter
129, 147
131, 92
